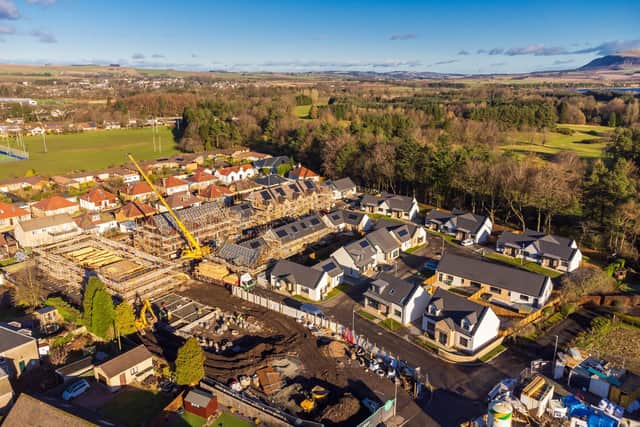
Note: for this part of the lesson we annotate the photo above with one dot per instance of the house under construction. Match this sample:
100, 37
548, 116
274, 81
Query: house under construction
127, 272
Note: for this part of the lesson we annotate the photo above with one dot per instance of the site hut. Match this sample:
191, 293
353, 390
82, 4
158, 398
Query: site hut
396, 299
299, 279
550, 251
458, 324
10, 215
462, 225
18, 351
132, 366
201, 403
507, 286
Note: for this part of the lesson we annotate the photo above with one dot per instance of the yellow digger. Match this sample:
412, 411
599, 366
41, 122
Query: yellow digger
141, 322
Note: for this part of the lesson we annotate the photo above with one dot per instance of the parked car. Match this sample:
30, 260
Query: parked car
75, 389
467, 242
312, 309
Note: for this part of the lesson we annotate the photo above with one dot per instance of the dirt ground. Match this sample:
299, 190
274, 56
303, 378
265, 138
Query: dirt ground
281, 337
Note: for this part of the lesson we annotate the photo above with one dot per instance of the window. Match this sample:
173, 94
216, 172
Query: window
564, 263
524, 297
395, 253
464, 342
495, 290
304, 290
433, 310
443, 338
397, 313
134, 370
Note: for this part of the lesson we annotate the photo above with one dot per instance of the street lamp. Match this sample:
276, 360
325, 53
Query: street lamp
395, 395
353, 322
555, 350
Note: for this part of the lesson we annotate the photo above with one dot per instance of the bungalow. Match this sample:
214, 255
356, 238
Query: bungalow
270, 164
215, 192
300, 172
270, 180
550, 251
16, 184
396, 299
200, 180
55, 205
134, 210
458, 324
96, 222
299, 279
124, 369
180, 201
45, 230
503, 285
333, 270
250, 156
19, 351
462, 225
10, 215
98, 199
138, 191
409, 235
127, 176
172, 185
356, 259
342, 188
397, 206
82, 177
235, 173
386, 245
343, 220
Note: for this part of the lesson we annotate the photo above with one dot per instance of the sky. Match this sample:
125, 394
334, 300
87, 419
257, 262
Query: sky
262, 35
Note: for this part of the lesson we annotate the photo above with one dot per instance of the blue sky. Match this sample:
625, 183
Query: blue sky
442, 36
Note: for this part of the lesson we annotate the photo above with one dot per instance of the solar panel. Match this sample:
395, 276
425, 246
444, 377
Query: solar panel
265, 195
402, 232
303, 225
364, 243
329, 266
294, 228
281, 233
315, 221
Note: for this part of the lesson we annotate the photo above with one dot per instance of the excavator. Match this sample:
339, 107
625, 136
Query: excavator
141, 322
194, 251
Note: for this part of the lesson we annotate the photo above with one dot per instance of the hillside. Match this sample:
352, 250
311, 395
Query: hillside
630, 58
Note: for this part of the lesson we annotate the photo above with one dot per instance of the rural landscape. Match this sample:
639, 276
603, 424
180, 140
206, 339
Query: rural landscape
427, 216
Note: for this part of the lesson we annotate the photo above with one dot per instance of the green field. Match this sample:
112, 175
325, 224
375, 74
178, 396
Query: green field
586, 141
88, 151
133, 407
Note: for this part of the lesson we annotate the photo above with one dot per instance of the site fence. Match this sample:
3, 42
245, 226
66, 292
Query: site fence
14, 153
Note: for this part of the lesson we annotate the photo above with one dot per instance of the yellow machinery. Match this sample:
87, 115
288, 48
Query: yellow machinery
308, 405
141, 321
195, 251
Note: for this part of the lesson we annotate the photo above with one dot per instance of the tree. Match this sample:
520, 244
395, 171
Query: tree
125, 319
190, 363
584, 281
98, 306
313, 112
93, 284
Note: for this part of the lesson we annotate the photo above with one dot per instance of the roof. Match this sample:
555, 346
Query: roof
271, 162
394, 201
403, 232
125, 361
198, 397
134, 210
8, 210
182, 200
77, 367
302, 172
298, 273
298, 229
239, 255
214, 191
11, 339
193, 217
361, 252
464, 221
31, 180
498, 275
270, 180
343, 184
54, 203
384, 240
547, 244
329, 266
236, 168
392, 289
340, 216
31, 412
97, 195
454, 308
201, 176
46, 221
171, 182
137, 188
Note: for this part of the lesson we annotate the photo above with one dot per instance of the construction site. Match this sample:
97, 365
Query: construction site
127, 272
278, 360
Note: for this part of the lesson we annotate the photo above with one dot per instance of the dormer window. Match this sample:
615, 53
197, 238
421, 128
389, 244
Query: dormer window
466, 324
433, 310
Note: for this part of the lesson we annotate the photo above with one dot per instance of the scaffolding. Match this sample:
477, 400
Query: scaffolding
126, 271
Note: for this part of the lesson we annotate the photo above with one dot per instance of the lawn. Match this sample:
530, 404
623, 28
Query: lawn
367, 315
527, 265
412, 250
229, 420
391, 324
188, 420
586, 141
134, 407
88, 151
427, 345
302, 111
493, 353
340, 289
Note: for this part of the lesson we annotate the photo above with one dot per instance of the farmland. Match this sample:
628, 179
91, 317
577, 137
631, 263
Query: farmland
587, 141
88, 151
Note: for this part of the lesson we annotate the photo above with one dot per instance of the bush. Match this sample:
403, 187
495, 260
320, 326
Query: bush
68, 313
547, 311
61, 341
568, 309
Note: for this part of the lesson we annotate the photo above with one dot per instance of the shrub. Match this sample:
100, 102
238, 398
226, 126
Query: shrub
568, 309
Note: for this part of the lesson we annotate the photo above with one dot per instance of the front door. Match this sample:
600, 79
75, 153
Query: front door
123, 379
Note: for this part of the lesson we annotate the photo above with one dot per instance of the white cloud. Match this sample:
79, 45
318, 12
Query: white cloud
43, 36
8, 10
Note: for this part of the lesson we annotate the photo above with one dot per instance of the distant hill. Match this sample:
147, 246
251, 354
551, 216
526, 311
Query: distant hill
617, 61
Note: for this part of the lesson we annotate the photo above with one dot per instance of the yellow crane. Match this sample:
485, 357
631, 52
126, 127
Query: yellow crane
195, 250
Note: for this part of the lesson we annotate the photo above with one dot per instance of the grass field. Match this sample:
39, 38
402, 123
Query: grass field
586, 141
133, 407
88, 151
